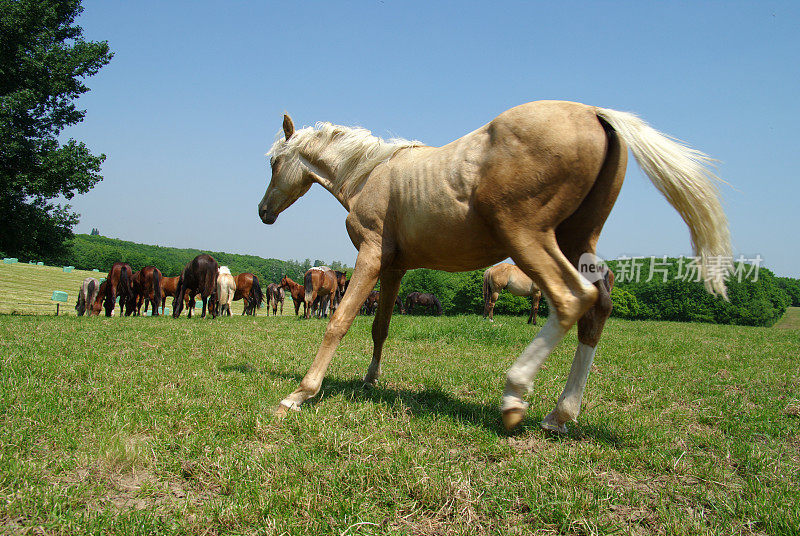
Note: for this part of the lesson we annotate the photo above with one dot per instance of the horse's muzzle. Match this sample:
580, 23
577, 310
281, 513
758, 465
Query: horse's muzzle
267, 216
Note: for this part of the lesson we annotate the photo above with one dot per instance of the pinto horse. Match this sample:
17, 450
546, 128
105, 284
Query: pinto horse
147, 284
535, 184
198, 277
509, 277
423, 299
117, 283
275, 295
321, 286
297, 292
249, 289
90, 287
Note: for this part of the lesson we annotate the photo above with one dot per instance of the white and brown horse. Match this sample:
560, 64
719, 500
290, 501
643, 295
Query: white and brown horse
535, 184
321, 287
506, 276
87, 294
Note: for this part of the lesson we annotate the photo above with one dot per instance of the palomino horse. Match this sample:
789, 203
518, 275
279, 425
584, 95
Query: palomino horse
423, 299
87, 295
297, 292
275, 295
147, 288
198, 277
226, 288
321, 286
509, 277
535, 184
118, 283
249, 289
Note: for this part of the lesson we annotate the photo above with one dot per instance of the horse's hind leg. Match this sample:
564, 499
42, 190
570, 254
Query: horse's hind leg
578, 235
390, 286
535, 297
590, 326
488, 306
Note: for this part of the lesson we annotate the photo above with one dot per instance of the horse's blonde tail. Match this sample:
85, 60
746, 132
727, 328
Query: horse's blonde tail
682, 175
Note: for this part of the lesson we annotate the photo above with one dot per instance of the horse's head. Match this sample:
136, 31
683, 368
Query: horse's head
290, 177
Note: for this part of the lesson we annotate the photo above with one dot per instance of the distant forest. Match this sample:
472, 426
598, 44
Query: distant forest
94, 251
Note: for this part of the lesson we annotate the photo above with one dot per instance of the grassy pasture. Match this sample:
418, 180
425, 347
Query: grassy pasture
163, 426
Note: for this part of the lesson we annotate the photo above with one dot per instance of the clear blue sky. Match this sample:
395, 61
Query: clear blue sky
196, 91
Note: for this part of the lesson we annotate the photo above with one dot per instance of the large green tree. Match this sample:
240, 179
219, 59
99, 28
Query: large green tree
44, 61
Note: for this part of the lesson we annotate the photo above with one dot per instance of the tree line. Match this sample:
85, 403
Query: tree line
87, 252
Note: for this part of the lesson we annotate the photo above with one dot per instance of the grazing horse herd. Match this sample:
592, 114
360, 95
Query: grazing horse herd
218, 289
203, 276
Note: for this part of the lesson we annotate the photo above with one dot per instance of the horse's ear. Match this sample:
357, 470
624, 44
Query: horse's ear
288, 126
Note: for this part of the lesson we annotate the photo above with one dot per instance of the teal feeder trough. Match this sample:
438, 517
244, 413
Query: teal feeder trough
59, 297
68, 269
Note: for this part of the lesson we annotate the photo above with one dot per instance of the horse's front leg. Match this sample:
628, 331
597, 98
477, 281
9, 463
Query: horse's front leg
365, 275
390, 286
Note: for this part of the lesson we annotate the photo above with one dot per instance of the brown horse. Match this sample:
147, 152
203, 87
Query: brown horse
341, 284
423, 299
117, 283
146, 285
535, 184
371, 303
321, 287
297, 292
275, 295
509, 277
249, 289
198, 277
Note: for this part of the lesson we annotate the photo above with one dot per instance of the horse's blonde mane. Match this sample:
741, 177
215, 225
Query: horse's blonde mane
355, 152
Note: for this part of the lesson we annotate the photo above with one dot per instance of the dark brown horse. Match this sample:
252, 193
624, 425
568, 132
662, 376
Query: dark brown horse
423, 299
341, 283
275, 295
371, 303
198, 277
249, 289
147, 289
117, 283
297, 292
321, 288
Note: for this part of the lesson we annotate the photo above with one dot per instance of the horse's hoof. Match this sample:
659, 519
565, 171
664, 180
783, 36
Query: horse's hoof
512, 417
284, 408
551, 426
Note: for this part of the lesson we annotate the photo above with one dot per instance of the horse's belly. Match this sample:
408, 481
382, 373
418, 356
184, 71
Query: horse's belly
446, 240
520, 285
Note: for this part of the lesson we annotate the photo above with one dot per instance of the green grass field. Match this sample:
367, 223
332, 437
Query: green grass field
163, 426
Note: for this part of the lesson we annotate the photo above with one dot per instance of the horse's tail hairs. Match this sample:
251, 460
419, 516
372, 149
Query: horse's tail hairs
682, 175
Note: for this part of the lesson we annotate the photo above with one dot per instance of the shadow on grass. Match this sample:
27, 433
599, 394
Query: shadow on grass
434, 401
